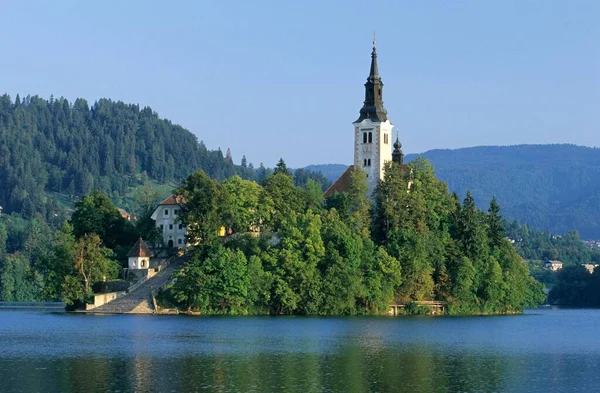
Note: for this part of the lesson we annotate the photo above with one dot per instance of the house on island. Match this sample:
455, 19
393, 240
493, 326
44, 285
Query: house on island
165, 218
554, 265
590, 267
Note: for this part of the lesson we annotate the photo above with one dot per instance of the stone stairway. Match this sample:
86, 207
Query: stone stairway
139, 301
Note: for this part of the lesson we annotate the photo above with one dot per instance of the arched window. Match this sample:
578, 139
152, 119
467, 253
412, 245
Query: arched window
370, 137
365, 164
369, 162
364, 137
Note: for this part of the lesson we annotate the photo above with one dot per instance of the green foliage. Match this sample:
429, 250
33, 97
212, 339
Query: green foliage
72, 291
287, 200
537, 245
95, 213
575, 286
92, 261
204, 209
425, 245
448, 251
18, 281
249, 204
58, 263
216, 284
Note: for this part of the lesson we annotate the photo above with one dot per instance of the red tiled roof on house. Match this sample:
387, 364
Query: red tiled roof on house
342, 184
171, 200
139, 249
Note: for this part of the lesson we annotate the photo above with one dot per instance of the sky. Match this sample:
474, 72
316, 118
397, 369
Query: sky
271, 79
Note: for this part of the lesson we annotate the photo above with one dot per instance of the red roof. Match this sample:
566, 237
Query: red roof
171, 200
342, 184
139, 249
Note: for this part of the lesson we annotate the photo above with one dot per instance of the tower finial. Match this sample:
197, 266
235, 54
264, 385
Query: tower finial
374, 40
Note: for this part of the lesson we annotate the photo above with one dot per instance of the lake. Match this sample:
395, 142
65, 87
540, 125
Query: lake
546, 350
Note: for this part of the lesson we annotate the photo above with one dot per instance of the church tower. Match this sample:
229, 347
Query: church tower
372, 129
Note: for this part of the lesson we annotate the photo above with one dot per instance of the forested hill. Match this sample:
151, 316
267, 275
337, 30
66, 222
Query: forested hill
54, 146
554, 188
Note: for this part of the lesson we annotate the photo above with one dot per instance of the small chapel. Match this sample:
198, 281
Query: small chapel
372, 136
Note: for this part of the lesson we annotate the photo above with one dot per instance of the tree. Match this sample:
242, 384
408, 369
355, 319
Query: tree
95, 213
281, 167
92, 261
287, 200
18, 281
250, 206
205, 206
494, 225
59, 262
218, 283
359, 203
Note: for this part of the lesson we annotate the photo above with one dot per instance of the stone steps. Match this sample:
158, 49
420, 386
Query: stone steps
140, 300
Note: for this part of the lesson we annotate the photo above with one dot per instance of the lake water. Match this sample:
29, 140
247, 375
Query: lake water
549, 350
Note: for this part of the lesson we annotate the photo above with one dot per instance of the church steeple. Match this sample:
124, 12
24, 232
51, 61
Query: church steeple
397, 155
373, 106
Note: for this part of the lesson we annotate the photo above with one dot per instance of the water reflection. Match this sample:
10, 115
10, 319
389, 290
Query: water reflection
127, 354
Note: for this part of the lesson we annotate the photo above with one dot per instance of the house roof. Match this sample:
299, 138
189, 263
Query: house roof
342, 184
123, 213
171, 200
139, 249
555, 262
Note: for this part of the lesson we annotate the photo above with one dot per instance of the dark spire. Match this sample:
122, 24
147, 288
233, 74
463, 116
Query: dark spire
373, 106
397, 155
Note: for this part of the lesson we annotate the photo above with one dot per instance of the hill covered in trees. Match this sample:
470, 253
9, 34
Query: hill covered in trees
554, 188
50, 149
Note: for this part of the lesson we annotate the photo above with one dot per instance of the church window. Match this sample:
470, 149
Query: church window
170, 226
365, 164
180, 226
369, 162
364, 137
166, 212
370, 137
179, 241
385, 138
162, 227
176, 211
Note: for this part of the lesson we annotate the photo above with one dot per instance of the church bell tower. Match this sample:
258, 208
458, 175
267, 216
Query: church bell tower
372, 129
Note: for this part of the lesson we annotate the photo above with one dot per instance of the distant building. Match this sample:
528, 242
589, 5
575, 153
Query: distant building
139, 255
124, 214
554, 265
590, 267
165, 217
0, 210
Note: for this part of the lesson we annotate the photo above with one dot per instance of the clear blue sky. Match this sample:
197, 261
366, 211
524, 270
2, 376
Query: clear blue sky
272, 79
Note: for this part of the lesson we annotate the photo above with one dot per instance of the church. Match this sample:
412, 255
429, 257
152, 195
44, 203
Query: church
372, 136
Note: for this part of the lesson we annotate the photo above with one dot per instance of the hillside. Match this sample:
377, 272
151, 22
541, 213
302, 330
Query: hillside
549, 187
52, 152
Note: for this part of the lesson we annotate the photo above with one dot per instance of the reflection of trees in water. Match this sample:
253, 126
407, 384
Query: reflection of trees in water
350, 369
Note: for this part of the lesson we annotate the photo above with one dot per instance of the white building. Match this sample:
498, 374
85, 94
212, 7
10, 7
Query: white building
139, 256
372, 136
165, 217
554, 265
372, 129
